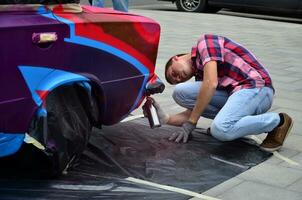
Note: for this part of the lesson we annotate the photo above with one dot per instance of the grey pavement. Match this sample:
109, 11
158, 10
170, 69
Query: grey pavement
278, 45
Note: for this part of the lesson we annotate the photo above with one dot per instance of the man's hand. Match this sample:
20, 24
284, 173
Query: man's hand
162, 115
184, 133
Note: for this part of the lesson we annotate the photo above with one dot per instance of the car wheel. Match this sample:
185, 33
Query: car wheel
68, 126
191, 5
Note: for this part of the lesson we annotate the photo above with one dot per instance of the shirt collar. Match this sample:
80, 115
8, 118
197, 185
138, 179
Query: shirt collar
193, 58
193, 52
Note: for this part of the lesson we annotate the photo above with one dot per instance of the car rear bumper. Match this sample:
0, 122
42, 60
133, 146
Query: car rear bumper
154, 85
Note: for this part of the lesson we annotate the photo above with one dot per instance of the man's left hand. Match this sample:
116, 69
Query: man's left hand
184, 133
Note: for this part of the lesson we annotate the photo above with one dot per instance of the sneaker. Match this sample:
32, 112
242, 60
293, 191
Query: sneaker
274, 139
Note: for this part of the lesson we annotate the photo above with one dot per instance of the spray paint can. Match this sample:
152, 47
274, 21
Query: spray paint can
151, 113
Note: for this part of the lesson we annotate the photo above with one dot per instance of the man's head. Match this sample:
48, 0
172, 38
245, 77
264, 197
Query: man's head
179, 69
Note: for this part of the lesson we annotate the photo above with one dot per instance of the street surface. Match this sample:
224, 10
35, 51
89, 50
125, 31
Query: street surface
168, 6
277, 42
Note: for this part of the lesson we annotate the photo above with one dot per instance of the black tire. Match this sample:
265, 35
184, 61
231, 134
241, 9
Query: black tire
68, 126
64, 132
191, 5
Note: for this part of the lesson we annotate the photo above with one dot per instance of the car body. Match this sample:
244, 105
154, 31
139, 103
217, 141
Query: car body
288, 6
107, 57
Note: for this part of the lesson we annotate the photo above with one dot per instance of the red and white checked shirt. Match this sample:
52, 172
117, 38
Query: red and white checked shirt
237, 67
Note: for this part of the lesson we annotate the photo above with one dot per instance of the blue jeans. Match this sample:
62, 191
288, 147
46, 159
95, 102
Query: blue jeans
235, 116
121, 5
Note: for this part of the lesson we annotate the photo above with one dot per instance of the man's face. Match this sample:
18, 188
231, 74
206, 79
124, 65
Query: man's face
179, 72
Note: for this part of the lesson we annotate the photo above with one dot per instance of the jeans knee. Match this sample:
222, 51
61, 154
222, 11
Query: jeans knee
179, 95
221, 132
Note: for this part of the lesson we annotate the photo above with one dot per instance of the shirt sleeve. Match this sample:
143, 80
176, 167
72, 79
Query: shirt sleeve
210, 47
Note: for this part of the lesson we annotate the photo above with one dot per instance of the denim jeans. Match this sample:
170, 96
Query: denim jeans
121, 5
240, 114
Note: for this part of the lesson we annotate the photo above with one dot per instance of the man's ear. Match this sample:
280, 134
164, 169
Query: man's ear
175, 58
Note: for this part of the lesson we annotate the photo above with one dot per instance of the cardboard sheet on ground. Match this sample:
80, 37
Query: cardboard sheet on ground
133, 149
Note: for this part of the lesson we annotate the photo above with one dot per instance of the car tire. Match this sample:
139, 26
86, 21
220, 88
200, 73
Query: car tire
191, 5
64, 132
68, 126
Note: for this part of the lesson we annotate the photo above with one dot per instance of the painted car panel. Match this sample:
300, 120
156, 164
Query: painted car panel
116, 51
10, 143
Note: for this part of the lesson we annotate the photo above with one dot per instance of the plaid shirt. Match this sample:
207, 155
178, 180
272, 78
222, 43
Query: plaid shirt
237, 67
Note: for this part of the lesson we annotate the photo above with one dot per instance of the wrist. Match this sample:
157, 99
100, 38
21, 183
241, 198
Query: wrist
166, 119
189, 127
192, 121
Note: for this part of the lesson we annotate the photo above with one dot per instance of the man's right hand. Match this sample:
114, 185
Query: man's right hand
163, 117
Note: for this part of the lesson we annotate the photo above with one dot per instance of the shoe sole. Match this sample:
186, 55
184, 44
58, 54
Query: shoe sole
271, 150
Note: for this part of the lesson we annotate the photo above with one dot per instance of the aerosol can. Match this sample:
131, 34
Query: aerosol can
151, 113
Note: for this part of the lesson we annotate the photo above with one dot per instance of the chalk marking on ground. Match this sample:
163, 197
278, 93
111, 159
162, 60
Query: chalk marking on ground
229, 162
289, 161
275, 153
132, 118
170, 188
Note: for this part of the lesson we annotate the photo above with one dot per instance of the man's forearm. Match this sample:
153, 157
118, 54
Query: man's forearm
205, 95
206, 92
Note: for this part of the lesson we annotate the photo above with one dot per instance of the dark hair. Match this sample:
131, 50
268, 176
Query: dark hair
168, 64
